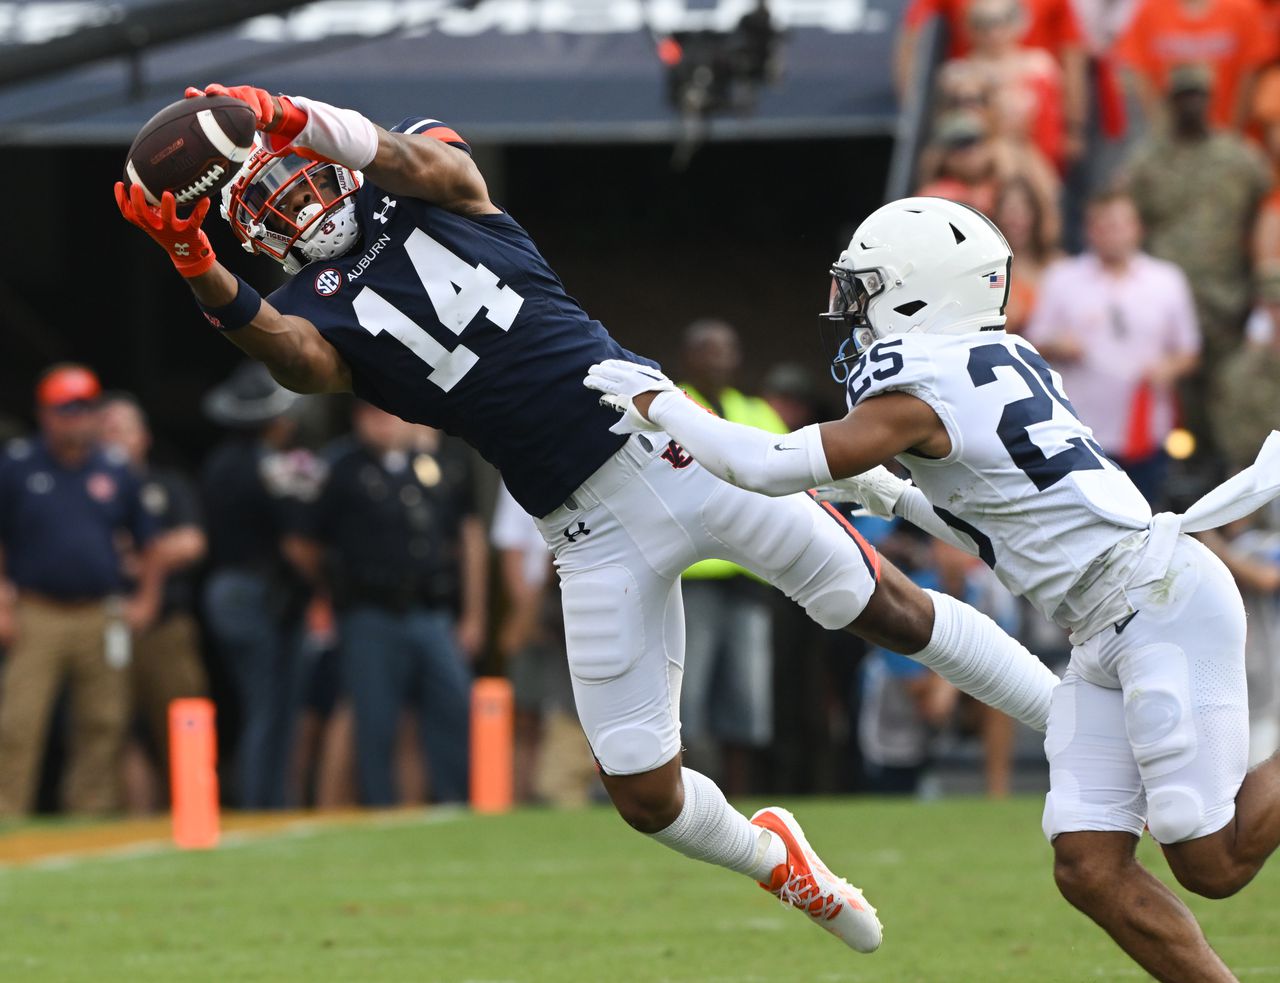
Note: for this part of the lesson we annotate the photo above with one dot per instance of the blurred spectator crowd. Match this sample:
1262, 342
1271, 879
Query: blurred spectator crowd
1129, 151
336, 595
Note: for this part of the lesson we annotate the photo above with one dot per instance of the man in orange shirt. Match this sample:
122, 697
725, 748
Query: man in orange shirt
1225, 35
1050, 24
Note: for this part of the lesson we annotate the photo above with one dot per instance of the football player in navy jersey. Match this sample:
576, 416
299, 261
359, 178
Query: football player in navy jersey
414, 291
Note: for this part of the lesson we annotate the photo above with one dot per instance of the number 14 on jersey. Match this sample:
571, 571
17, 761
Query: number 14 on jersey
457, 291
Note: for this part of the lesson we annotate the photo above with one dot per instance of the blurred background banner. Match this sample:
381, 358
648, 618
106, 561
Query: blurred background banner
507, 70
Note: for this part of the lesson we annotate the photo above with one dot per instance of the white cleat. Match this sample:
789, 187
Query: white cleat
804, 882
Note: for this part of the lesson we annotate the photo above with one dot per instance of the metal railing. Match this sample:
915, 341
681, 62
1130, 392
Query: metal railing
917, 112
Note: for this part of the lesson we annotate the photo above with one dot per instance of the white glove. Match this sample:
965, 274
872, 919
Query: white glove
621, 382
877, 490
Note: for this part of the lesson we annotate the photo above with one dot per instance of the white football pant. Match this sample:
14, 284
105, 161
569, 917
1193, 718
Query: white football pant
621, 542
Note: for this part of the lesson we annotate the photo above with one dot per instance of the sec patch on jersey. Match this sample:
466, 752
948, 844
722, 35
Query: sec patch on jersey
191, 148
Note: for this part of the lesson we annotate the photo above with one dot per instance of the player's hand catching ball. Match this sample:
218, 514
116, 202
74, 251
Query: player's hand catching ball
621, 382
181, 238
277, 115
262, 102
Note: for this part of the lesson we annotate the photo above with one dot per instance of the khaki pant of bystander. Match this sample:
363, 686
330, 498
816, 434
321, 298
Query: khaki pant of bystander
566, 772
59, 642
165, 666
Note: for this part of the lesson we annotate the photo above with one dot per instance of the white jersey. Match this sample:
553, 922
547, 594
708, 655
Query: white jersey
1025, 479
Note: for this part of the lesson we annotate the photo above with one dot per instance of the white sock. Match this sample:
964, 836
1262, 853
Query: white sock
710, 829
970, 651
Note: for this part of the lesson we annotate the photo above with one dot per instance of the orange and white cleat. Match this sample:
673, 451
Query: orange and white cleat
804, 882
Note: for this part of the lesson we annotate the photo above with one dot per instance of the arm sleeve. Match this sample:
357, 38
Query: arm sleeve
741, 455
915, 508
340, 135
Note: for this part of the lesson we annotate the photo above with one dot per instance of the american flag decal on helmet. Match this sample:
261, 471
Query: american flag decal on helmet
995, 281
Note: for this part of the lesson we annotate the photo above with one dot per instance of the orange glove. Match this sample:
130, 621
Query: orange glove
181, 238
259, 100
277, 115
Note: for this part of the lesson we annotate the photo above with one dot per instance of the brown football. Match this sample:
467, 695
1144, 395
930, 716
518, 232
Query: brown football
192, 148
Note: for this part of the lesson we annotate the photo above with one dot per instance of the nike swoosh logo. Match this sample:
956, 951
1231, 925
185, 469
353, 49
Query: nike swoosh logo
781, 447
1123, 623
650, 375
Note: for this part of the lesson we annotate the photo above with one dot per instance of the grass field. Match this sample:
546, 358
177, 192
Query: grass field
963, 887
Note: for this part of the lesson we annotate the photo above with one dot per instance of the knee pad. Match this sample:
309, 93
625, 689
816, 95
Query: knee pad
1174, 813
1049, 819
635, 750
834, 608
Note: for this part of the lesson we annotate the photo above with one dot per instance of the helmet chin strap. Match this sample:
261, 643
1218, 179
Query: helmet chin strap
861, 337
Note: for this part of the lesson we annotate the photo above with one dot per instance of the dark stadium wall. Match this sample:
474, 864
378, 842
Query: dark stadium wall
745, 233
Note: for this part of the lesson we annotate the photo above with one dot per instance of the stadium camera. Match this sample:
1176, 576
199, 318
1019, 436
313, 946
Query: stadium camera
712, 71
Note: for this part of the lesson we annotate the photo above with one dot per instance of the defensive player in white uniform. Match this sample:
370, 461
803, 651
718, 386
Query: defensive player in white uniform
412, 288
1149, 726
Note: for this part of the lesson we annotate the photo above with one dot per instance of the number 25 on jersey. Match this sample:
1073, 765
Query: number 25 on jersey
1020, 415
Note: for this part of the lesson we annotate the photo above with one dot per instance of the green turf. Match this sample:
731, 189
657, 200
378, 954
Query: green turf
963, 888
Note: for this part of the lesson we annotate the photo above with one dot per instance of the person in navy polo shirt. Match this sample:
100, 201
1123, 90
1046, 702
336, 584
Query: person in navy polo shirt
64, 616
166, 664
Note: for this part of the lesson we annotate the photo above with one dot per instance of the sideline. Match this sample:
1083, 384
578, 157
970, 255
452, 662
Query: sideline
58, 845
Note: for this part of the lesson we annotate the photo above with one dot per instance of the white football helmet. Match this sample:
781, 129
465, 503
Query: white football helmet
919, 264
293, 209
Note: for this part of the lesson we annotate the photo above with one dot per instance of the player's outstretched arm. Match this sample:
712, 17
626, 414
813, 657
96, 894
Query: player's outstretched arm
430, 169
848, 450
404, 164
290, 347
873, 432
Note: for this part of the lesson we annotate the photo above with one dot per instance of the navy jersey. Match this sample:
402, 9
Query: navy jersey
58, 525
458, 322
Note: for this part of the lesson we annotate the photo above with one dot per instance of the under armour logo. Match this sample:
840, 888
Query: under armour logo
182, 248
677, 456
573, 534
388, 203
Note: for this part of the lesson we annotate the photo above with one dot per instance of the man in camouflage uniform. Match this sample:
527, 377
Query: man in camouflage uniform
1246, 403
1199, 190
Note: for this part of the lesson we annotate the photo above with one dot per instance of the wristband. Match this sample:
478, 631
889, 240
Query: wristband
284, 130
243, 308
